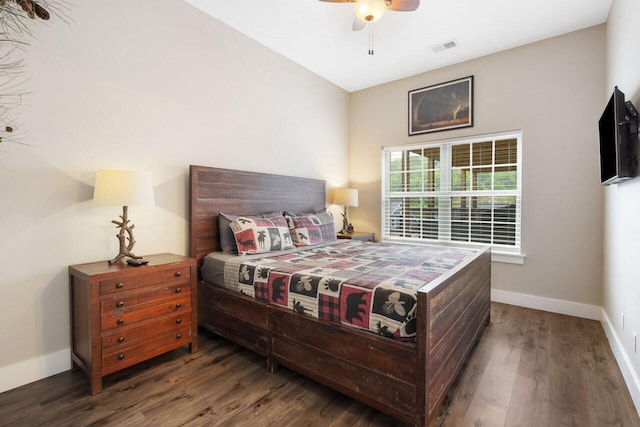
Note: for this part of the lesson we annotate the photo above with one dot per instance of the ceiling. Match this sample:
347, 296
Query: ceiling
318, 35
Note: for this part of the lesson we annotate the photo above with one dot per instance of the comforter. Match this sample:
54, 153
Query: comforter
371, 286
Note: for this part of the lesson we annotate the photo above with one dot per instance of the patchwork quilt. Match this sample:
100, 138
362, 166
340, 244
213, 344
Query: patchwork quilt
371, 286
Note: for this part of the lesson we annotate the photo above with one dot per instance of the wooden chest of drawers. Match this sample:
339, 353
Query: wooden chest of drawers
122, 315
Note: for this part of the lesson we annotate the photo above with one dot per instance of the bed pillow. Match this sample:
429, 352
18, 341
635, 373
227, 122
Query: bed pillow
315, 212
227, 238
311, 229
260, 235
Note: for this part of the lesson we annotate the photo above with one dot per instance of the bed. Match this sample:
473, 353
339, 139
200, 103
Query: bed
407, 379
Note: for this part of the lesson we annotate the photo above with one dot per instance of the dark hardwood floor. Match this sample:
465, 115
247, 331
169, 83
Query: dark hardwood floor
530, 368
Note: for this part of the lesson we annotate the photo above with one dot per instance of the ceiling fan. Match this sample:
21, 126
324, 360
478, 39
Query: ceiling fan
372, 10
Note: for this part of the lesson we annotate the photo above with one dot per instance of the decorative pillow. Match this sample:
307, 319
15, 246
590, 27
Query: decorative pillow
316, 212
259, 235
227, 239
311, 229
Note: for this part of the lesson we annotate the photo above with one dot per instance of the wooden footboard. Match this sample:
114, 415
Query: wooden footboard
375, 370
451, 317
405, 380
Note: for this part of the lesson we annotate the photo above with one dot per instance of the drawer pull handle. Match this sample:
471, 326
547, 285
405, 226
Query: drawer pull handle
120, 285
178, 274
120, 321
121, 356
178, 321
178, 336
178, 290
120, 304
120, 339
178, 305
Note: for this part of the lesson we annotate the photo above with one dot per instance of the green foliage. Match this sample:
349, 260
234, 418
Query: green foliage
422, 174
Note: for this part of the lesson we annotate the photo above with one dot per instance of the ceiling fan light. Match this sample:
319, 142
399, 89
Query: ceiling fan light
370, 10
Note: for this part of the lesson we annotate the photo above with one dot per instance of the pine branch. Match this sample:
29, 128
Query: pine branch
17, 18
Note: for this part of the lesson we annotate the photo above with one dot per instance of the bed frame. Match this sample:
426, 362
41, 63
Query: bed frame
405, 380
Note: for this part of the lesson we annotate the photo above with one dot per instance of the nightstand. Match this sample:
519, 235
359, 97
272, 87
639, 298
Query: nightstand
356, 235
122, 314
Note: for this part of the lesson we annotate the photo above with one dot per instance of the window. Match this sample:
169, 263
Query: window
464, 191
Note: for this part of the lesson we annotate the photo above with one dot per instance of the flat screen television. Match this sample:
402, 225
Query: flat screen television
618, 127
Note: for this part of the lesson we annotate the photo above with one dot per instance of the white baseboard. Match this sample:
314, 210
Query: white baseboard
586, 311
624, 361
569, 308
28, 371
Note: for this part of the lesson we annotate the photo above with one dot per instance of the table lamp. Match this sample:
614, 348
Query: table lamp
346, 197
117, 187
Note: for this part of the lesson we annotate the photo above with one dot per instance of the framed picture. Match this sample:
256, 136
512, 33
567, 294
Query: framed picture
441, 107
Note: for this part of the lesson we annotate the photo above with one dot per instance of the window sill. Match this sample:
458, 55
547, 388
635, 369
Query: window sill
507, 257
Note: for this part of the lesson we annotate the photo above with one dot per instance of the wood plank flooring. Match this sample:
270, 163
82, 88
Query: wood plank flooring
530, 368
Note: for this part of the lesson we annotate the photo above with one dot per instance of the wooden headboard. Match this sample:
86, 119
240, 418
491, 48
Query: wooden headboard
215, 190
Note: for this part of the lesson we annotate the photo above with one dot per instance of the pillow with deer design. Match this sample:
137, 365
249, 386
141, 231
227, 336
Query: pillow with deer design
311, 229
260, 235
227, 239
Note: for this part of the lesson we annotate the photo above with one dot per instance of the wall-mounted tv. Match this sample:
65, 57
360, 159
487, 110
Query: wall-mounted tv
618, 140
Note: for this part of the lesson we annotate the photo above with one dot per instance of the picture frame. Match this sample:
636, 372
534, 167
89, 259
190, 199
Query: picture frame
443, 106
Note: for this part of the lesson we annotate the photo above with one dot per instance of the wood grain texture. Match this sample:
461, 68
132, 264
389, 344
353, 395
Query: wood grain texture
534, 368
215, 190
451, 310
509, 380
121, 315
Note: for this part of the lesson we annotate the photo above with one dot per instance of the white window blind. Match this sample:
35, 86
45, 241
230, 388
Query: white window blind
464, 191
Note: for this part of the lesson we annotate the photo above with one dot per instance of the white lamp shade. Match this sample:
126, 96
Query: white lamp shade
370, 10
345, 196
117, 187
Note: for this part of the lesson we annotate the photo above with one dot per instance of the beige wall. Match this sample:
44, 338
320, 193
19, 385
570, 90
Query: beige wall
551, 90
621, 292
152, 85
162, 86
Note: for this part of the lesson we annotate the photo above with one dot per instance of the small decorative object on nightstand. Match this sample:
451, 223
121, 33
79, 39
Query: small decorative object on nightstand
122, 314
368, 237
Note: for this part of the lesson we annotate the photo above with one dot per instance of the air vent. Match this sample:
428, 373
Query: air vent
444, 46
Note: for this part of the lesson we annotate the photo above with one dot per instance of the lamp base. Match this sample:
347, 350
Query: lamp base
346, 225
137, 262
347, 230
125, 233
121, 257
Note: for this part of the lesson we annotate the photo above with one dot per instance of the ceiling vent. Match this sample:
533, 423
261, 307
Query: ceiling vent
444, 46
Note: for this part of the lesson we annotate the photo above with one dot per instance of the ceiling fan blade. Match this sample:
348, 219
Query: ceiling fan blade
358, 24
402, 5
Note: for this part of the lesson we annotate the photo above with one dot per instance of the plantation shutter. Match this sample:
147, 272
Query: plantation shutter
465, 191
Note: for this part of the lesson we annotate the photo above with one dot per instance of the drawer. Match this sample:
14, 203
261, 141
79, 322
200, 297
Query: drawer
123, 300
129, 336
124, 316
125, 283
145, 349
